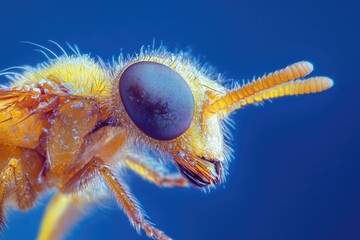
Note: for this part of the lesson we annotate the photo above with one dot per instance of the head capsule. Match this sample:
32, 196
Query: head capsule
162, 98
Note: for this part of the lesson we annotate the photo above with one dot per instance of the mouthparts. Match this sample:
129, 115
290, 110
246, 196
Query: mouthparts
203, 172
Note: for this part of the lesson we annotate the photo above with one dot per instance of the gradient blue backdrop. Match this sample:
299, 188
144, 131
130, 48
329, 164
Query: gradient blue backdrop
296, 169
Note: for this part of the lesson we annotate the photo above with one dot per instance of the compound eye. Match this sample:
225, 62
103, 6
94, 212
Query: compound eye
157, 99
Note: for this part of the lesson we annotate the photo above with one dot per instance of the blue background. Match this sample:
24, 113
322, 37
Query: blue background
296, 171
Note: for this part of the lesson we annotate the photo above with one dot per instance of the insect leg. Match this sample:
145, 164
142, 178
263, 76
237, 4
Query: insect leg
97, 167
5, 179
63, 212
20, 169
154, 176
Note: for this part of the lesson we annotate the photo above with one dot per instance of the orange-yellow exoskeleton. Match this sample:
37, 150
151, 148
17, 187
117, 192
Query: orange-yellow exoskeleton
71, 123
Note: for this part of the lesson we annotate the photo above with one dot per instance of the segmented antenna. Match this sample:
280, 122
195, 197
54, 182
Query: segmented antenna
276, 84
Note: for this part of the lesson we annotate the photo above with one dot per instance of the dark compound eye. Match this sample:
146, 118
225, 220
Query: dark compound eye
157, 99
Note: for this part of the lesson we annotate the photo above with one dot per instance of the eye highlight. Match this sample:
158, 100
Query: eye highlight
157, 99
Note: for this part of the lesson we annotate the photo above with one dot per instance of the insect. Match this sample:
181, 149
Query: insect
71, 123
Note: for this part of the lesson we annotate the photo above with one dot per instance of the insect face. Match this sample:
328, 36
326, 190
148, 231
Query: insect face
164, 104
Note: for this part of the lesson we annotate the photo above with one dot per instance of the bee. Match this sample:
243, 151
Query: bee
73, 122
